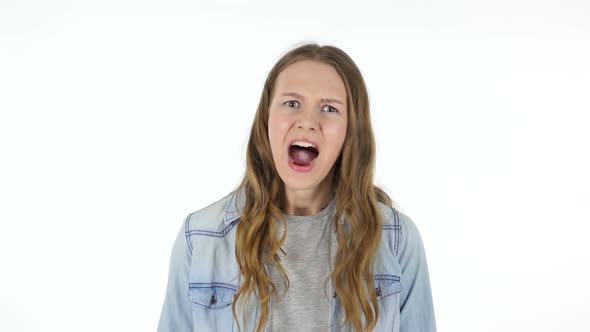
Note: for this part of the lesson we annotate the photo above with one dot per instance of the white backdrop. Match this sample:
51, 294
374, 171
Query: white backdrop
118, 118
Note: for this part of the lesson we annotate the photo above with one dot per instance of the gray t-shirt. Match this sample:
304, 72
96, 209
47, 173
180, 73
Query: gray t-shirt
306, 304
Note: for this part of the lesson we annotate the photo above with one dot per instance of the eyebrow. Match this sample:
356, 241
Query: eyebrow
327, 100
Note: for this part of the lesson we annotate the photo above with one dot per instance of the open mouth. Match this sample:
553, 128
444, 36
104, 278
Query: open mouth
303, 153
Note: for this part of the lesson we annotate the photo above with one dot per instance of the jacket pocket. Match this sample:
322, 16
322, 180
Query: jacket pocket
388, 288
212, 309
386, 285
215, 295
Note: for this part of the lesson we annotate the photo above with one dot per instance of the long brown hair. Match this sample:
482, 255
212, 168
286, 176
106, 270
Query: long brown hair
257, 240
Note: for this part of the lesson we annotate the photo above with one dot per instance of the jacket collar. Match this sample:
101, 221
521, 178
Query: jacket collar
235, 203
233, 206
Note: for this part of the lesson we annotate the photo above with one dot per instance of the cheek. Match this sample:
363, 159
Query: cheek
337, 135
276, 132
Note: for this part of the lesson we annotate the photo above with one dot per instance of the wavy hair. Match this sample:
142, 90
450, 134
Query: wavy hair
359, 235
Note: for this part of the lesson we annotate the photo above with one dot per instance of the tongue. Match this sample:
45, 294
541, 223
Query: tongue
302, 156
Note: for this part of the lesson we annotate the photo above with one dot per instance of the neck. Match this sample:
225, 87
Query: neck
305, 202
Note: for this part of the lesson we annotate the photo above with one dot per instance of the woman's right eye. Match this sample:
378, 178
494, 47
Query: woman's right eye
290, 102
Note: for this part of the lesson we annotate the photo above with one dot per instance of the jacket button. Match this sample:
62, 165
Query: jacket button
334, 295
213, 300
378, 290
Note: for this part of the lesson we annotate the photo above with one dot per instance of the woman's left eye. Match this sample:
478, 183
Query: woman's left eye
333, 110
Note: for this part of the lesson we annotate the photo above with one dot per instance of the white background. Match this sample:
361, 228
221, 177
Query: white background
118, 118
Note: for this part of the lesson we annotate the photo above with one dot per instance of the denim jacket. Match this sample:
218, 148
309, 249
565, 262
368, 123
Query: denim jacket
204, 276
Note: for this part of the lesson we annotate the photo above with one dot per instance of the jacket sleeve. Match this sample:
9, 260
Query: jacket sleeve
176, 314
416, 306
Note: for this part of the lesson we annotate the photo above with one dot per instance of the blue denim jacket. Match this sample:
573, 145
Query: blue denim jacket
204, 276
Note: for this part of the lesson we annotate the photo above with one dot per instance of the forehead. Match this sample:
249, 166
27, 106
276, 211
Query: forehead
310, 77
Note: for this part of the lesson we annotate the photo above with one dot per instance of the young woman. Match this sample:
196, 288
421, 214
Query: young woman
306, 242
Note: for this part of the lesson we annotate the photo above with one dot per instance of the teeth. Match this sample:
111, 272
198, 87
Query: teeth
304, 144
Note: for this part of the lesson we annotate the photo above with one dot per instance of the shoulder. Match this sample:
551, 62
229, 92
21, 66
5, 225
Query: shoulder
213, 217
402, 227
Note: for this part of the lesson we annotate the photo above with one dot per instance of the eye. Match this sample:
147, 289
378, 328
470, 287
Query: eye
333, 110
290, 102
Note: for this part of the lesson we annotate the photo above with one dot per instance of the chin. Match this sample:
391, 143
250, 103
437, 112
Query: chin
300, 185
294, 183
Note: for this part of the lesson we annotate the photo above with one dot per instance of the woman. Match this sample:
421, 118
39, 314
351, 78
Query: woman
306, 242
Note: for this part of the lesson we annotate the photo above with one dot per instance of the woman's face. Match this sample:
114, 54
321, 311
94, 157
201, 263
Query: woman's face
309, 103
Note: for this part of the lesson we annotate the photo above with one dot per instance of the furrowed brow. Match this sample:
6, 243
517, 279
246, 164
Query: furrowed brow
298, 96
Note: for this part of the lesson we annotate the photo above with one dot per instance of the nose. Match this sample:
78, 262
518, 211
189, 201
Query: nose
307, 121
